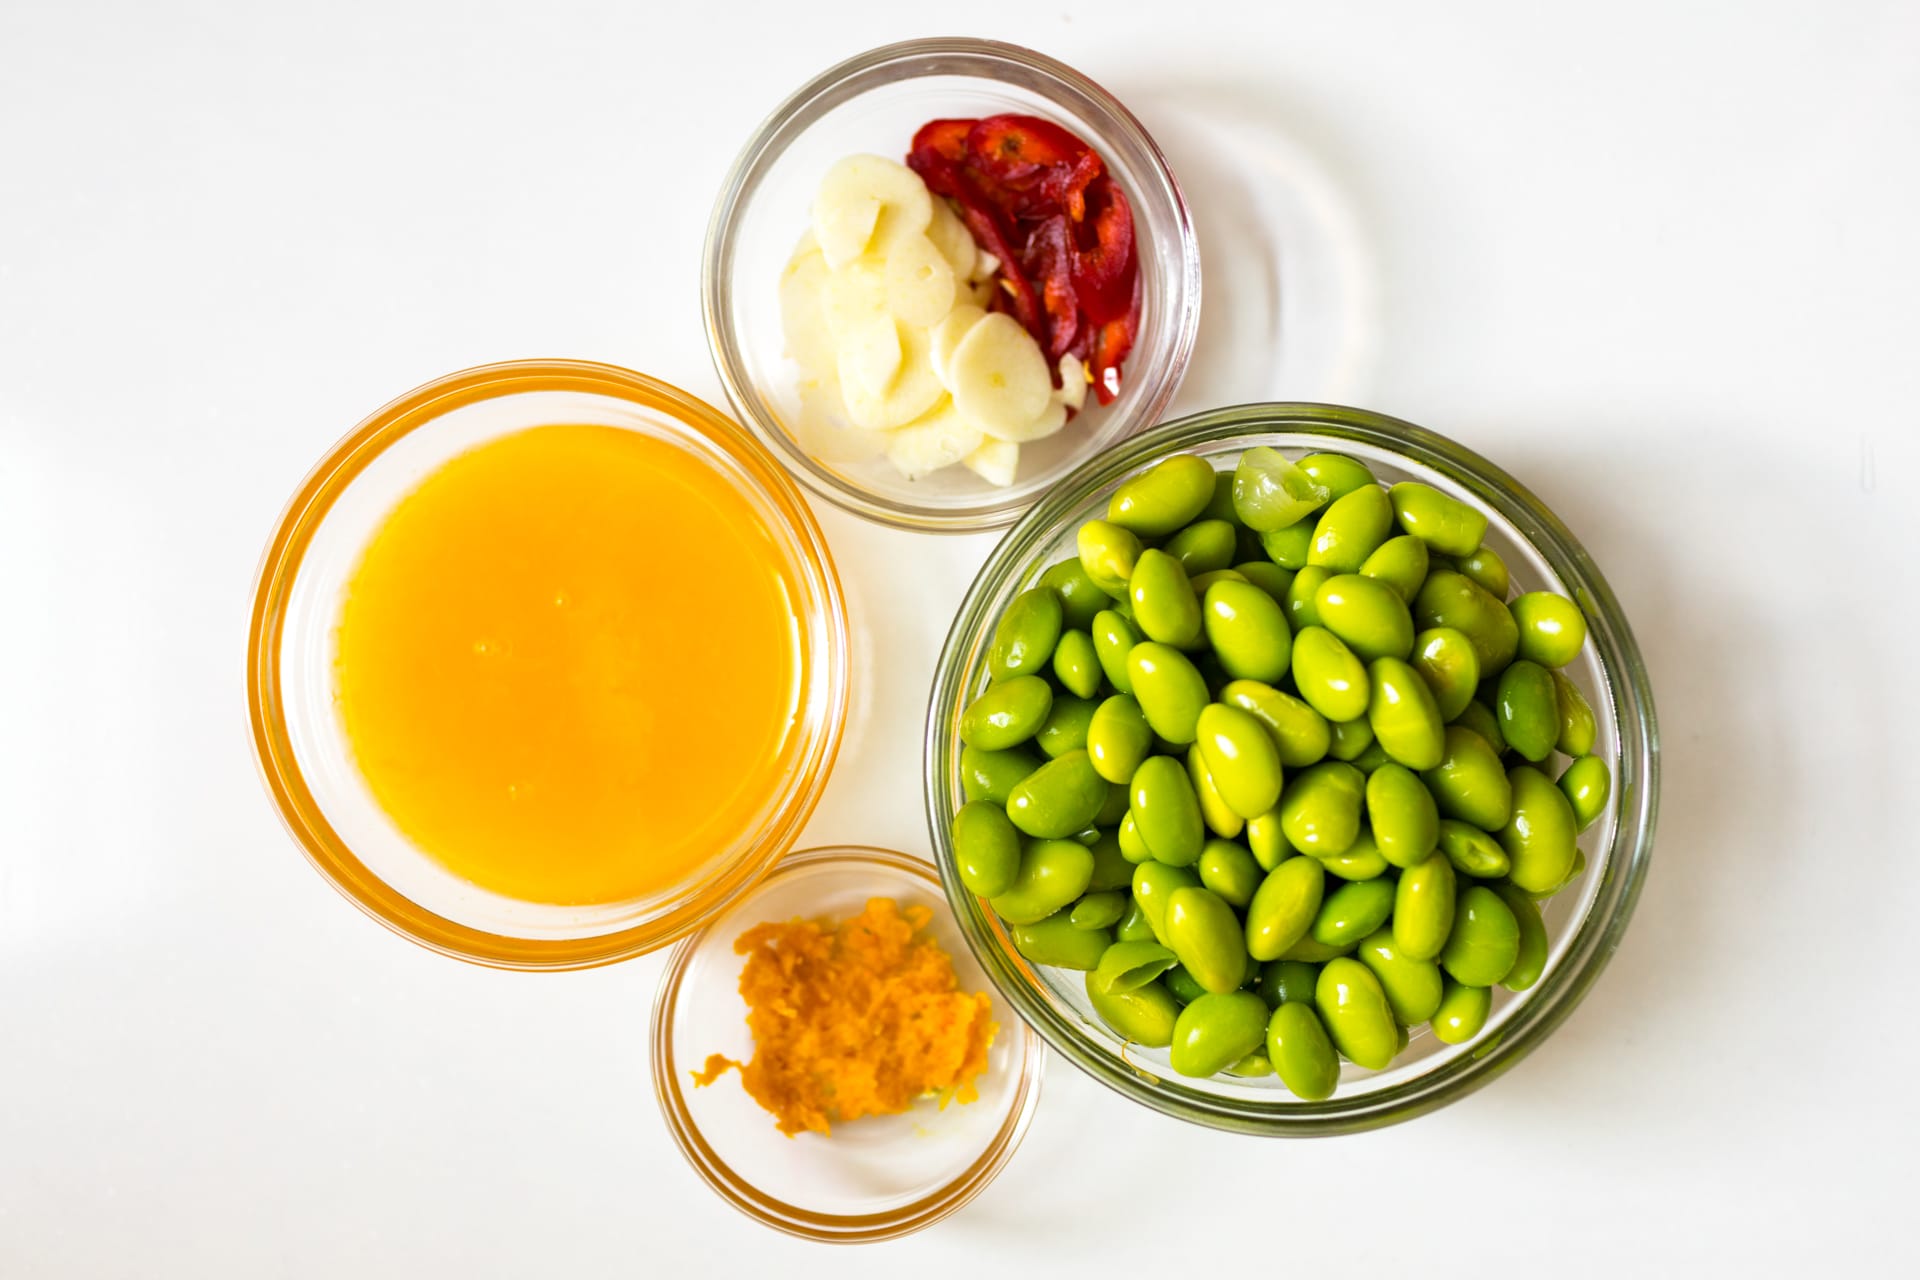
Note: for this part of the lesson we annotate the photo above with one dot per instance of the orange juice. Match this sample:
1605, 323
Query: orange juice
567, 664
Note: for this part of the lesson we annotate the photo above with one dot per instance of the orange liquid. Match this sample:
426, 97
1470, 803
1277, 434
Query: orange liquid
567, 665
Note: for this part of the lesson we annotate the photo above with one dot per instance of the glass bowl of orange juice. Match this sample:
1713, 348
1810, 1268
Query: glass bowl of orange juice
547, 664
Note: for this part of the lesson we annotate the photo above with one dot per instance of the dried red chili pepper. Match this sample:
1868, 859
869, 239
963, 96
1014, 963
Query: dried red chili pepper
1110, 347
1049, 262
1103, 254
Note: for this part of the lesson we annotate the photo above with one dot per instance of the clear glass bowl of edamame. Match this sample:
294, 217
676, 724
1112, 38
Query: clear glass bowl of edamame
1584, 921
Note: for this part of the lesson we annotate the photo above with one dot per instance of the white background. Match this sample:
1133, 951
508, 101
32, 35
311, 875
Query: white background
1659, 260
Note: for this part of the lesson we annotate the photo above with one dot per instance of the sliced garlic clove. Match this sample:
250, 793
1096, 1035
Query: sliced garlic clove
995, 461
867, 198
938, 438
919, 282
951, 237
913, 392
947, 336
1000, 378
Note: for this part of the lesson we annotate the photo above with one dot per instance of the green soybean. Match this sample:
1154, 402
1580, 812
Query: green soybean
1144, 1015
1126, 965
1337, 473
1113, 639
1423, 908
1462, 1013
1529, 710
1351, 738
1445, 524
1164, 606
1252, 1067
1355, 1011
1267, 576
1133, 926
1579, 865
1203, 582
1372, 758
1320, 808
1284, 907
1300, 734
1241, 758
1099, 910
1166, 812
1229, 870
1311, 951
1405, 718
1302, 605
991, 775
1487, 569
1402, 815
1446, 660
1269, 492
1153, 884
1217, 1030
1205, 546
1551, 627
1479, 717
1469, 782
1076, 665
1485, 940
1118, 738
1301, 1052
1367, 614
1413, 987
1059, 798
1107, 555
1287, 982
1052, 874
1248, 631
1451, 599
1352, 912
1530, 961
1215, 814
1578, 729
1361, 860
1329, 675
1169, 689
1472, 851
1065, 728
1351, 529
1539, 837
1288, 547
1162, 498
1267, 841
1058, 941
1028, 630
1111, 870
986, 848
1080, 596
1007, 714
1132, 847
1587, 785
1203, 931
1401, 563
1182, 985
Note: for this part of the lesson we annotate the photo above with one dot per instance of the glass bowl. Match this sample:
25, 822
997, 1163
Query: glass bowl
300, 742
874, 1179
873, 103
1585, 921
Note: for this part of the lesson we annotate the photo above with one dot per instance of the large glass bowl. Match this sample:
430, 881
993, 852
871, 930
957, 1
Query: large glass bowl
300, 741
1585, 921
873, 103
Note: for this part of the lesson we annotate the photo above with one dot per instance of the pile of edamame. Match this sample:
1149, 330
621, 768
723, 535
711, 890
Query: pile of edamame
1271, 761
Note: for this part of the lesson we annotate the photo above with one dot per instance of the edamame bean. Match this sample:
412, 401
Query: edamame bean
1162, 498
1288, 547
1023, 641
1182, 985
1451, 599
1052, 874
1360, 860
1119, 801
1113, 639
1271, 493
1169, 689
1551, 628
1132, 847
986, 848
1230, 871
1402, 815
1144, 1015
1539, 837
1241, 759
1127, 965
1320, 808
1057, 941
1075, 664
1372, 758
1252, 1067
1111, 870
1487, 569
1214, 812
1485, 940
1059, 798
1367, 614
1300, 734
1267, 576
1423, 908
1352, 912
1107, 555
1099, 910
1462, 1013
1065, 728
1445, 524
1530, 961
1153, 884
1404, 715
1310, 951
1579, 866
1587, 785
1469, 782
1284, 907
1413, 987
1351, 529
1216, 1031
1479, 717
1267, 841
1007, 714
1351, 738
1080, 596
1205, 934
1354, 1009
1203, 582
1446, 661
1400, 563
1328, 674
1339, 474
1220, 505
1528, 710
1302, 605
1133, 926
991, 775
1578, 728
1205, 546
1301, 1053
1472, 851
1118, 738
1287, 982
1164, 606
1248, 631
1166, 813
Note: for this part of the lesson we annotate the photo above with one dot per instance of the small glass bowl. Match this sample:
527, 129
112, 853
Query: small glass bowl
874, 1179
1584, 922
301, 745
874, 103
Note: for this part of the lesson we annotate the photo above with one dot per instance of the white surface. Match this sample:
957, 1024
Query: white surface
1658, 260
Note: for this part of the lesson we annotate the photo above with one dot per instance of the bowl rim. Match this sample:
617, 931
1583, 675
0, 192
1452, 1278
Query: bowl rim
771, 137
280, 772
1594, 936
795, 1219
